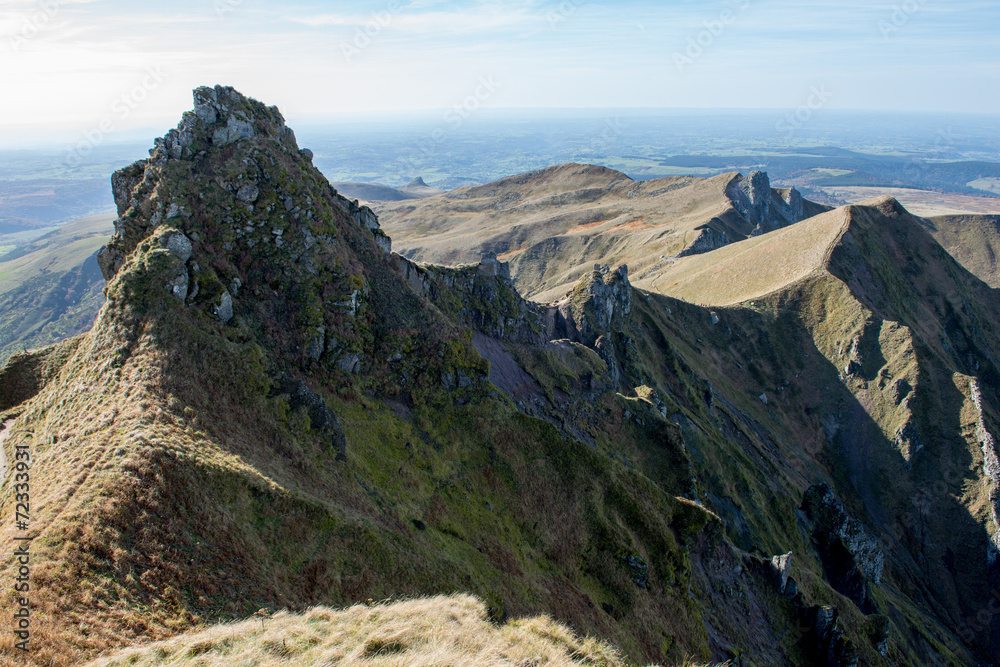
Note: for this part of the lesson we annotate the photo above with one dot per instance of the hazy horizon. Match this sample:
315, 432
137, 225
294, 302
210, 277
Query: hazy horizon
86, 68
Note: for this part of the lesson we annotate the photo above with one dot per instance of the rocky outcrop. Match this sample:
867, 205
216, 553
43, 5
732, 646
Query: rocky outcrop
321, 417
832, 648
595, 314
481, 295
851, 558
991, 470
780, 568
762, 207
366, 217
708, 239
598, 305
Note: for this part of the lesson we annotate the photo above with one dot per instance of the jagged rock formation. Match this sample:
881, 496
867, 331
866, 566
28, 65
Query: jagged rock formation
879, 349
851, 558
767, 209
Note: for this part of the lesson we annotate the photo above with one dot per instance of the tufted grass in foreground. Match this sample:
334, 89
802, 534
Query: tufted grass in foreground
443, 630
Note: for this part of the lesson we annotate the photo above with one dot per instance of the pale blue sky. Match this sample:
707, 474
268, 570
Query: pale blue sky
79, 65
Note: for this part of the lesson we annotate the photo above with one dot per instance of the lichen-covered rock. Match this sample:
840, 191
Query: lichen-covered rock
178, 244
350, 363
224, 309
248, 193
480, 295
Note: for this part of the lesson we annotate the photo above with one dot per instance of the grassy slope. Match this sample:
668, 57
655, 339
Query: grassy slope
451, 630
885, 296
754, 267
508, 506
555, 223
973, 240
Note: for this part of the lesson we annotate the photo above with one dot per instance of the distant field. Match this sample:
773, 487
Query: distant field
63, 249
988, 184
924, 203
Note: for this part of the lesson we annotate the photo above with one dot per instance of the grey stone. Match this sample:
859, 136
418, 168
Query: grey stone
315, 349
638, 568
350, 363
781, 568
491, 267
448, 380
248, 193
206, 113
179, 285
178, 244
224, 310
234, 130
306, 153
366, 217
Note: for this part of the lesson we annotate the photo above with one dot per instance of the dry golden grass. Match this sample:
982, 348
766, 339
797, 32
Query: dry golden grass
442, 630
554, 224
973, 240
752, 268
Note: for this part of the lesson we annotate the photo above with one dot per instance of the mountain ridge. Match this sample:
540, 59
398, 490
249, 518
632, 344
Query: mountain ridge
593, 213
274, 409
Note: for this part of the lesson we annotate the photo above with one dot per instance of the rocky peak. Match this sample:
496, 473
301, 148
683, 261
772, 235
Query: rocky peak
610, 293
763, 207
598, 305
230, 217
